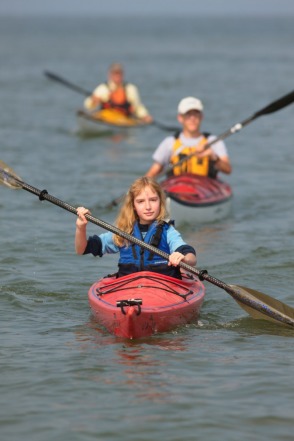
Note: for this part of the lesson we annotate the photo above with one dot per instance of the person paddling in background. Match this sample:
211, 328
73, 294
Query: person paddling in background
119, 95
143, 214
205, 162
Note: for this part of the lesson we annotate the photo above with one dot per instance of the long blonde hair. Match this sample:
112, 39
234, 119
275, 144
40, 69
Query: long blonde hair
127, 215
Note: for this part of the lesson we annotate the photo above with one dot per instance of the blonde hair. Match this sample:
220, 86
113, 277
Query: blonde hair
127, 215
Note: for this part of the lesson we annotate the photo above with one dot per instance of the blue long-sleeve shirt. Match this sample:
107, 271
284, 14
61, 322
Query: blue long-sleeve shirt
103, 244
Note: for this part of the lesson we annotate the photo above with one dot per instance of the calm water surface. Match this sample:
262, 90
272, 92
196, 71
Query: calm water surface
62, 376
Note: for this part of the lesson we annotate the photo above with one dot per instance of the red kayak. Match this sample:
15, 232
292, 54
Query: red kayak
195, 198
145, 303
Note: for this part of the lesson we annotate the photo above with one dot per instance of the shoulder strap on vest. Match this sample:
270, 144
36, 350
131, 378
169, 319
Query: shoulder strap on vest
157, 235
155, 240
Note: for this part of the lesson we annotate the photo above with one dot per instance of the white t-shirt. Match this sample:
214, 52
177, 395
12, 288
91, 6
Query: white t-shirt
163, 152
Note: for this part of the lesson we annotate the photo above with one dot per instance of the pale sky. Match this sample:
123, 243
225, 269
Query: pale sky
148, 7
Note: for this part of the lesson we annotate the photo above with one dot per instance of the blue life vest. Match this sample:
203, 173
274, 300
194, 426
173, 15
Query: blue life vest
134, 258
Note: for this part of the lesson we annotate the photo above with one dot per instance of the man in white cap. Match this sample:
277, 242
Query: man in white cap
190, 141
116, 94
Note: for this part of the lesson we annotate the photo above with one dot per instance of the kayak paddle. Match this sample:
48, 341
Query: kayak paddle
85, 92
255, 303
270, 108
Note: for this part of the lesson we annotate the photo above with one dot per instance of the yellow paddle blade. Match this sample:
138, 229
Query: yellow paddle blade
8, 177
270, 309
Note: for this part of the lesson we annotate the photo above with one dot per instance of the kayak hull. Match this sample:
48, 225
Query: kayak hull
105, 121
197, 199
145, 303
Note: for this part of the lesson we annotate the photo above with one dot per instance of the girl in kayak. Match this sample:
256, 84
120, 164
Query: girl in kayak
143, 214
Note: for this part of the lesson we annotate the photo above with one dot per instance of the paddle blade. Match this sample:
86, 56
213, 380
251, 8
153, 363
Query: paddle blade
262, 306
115, 202
277, 105
52, 76
8, 177
67, 83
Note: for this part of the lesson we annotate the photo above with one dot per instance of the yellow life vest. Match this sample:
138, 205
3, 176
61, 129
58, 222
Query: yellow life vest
199, 166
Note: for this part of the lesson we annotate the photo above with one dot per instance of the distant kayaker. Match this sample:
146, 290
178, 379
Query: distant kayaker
190, 140
143, 214
117, 94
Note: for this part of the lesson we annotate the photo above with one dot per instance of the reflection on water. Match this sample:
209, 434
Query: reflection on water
138, 367
170, 342
115, 138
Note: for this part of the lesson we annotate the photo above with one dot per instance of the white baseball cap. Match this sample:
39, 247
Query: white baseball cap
189, 103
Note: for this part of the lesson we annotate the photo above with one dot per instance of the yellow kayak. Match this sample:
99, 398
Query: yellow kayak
106, 120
